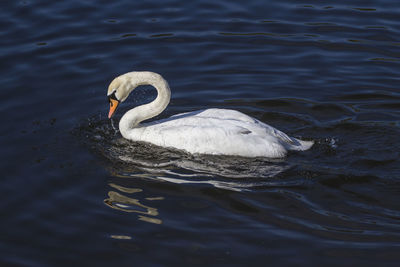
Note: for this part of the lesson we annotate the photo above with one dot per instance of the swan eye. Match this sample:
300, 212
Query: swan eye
112, 96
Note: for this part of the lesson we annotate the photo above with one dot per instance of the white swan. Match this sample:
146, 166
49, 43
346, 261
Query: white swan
211, 131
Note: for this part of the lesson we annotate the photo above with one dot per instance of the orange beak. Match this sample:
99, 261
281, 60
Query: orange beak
113, 106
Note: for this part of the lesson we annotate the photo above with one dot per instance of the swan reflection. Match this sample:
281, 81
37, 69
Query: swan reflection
120, 201
235, 174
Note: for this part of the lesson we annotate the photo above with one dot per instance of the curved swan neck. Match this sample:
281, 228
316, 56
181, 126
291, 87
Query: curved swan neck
138, 114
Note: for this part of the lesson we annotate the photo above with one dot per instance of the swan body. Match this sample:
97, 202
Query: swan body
211, 131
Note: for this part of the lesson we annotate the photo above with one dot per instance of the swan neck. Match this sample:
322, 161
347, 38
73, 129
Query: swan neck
133, 117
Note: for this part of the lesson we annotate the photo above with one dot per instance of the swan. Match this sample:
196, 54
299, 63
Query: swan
211, 131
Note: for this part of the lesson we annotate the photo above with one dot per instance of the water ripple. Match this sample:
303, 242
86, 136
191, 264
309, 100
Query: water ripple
326, 72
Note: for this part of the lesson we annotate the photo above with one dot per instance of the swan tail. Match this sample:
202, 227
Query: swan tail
300, 145
291, 143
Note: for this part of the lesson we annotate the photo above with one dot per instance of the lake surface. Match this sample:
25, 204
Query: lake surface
75, 193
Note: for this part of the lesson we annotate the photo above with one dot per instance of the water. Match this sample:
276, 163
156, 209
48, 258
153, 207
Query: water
74, 192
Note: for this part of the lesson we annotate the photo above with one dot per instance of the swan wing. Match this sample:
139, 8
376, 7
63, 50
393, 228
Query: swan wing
217, 131
214, 132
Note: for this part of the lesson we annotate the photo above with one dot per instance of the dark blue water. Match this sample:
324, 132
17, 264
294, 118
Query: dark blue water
74, 192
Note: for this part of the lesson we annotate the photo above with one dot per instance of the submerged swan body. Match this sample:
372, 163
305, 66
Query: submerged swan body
211, 131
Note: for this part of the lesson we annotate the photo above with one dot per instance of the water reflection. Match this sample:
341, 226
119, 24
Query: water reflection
121, 237
119, 201
235, 174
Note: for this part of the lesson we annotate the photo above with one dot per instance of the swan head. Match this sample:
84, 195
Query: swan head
118, 91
